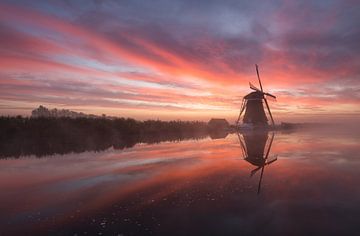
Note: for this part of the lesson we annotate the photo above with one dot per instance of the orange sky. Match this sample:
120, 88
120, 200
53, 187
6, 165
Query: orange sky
180, 60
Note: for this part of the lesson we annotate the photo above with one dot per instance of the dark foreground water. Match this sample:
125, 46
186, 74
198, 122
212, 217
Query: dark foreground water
302, 183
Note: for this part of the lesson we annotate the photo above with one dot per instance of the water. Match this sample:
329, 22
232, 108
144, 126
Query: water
309, 185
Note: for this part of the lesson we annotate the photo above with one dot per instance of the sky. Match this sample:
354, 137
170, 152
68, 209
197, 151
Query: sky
189, 60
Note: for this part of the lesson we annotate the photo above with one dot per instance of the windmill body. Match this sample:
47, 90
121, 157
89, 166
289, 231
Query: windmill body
252, 112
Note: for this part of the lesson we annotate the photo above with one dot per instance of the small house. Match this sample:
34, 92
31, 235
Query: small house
218, 124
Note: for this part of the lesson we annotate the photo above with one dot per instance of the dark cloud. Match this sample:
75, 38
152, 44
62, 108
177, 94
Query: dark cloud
314, 34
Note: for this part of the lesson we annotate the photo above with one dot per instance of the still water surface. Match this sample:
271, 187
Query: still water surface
301, 183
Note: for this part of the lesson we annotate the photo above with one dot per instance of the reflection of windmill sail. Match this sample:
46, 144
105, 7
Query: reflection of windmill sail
256, 150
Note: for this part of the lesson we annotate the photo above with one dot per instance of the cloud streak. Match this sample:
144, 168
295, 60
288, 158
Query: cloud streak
179, 56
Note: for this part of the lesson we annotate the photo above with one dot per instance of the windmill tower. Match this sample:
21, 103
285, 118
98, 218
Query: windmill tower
253, 106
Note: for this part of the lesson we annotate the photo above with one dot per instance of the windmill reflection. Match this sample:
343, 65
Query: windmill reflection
256, 149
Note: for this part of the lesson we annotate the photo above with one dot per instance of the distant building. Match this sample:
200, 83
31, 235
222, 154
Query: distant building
218, 124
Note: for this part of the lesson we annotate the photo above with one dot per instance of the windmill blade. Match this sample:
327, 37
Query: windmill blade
263, 167
273, 160
257, 72
260, 180
270, 98
271, 141
241, 111
255, 170
253, 87
274, 157
270, 95
243, 148
267, 105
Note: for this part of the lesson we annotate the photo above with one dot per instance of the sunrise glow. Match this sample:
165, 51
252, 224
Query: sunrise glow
180, 60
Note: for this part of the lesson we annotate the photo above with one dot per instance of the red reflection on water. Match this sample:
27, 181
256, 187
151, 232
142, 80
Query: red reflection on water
56, 190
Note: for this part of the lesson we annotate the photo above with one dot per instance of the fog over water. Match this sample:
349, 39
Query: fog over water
191, 187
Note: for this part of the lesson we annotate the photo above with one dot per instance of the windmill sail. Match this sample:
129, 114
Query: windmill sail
253, 87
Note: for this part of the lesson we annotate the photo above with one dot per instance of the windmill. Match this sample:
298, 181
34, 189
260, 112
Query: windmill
252, 104
256, 148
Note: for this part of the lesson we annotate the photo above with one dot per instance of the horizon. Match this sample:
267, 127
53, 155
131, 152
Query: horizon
345, 120
180, 59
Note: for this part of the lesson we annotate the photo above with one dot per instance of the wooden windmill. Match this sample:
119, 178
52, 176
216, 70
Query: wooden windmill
252, 104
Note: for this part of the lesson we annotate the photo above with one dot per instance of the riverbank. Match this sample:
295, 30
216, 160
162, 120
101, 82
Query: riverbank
43, 136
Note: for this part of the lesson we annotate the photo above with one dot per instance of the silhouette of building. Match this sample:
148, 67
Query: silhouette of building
218, 124
252, 104
254, 113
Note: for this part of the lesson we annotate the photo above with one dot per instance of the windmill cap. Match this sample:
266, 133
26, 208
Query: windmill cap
254, 95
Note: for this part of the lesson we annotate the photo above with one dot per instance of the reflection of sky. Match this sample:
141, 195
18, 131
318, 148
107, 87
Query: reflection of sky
314, 177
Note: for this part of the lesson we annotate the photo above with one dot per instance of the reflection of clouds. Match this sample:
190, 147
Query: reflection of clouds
205, 177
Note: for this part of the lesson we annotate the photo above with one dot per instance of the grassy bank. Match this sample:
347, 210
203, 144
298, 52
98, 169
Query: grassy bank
43, 136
